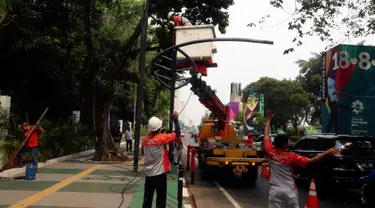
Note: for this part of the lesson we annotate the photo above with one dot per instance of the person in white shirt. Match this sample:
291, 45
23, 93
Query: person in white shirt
129, 139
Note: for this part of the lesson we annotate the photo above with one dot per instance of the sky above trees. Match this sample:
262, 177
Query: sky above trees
246, 63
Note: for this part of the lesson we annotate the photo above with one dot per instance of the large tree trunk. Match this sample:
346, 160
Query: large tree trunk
96, 98
105, 148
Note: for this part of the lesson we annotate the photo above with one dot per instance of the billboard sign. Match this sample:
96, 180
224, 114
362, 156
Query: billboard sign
348, 90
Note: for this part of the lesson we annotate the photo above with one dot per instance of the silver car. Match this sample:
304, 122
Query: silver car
258, 143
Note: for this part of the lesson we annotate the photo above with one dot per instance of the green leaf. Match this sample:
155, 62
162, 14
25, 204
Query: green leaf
3, 7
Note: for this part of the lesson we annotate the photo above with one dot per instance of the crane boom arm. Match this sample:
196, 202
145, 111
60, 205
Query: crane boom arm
208, 98
215, 106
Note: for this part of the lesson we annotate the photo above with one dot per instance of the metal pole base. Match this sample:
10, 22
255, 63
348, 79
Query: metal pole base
179, 196
180, 169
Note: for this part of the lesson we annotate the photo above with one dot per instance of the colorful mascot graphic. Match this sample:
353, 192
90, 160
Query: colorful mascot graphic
348, 79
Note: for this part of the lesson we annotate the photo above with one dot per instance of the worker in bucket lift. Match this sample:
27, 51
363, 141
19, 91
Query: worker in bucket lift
283, 190
201, 66
178, 20
156, 161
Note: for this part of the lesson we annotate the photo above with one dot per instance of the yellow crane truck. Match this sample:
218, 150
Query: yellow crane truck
218, 145
219, 149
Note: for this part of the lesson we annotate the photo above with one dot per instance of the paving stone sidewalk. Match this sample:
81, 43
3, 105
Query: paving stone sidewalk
102, 187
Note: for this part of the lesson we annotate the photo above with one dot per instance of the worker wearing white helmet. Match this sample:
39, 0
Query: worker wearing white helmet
170, 14
156, 161
178, 20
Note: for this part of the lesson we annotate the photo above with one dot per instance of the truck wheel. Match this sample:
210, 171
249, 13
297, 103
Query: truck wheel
204, 170
206, 173
251, 176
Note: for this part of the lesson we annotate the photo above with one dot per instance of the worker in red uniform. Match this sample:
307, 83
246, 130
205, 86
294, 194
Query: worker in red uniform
31, 145
250, 140
201, 66
178, 20
177, 150
283, 190
154, 147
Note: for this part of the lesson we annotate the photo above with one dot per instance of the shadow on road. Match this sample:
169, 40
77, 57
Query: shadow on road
256, 195
340, 197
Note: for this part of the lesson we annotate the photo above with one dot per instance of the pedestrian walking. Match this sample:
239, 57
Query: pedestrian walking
32, 144
154, 148
283, 190
129, 139
177, 150
117, 136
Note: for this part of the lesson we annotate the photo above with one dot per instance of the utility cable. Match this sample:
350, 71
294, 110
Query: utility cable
124, 189
131, 181
186, 103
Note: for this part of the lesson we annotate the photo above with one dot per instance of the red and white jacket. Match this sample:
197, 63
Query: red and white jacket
154, 147
181, 21
282, 164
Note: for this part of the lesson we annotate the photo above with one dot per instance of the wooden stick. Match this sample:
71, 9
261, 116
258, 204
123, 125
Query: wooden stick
23, 143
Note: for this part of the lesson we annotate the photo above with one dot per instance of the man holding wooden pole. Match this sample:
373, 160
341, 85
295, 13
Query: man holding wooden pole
32, 143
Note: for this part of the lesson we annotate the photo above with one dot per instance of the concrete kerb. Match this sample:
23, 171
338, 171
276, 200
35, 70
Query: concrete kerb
186, 198
16, 171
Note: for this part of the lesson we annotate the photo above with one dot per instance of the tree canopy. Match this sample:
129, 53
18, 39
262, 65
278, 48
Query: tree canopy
286, 97
82, 55
310, 79
323, 18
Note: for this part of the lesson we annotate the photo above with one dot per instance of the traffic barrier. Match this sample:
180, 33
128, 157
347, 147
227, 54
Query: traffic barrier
192, 172
312, 199
187, 158
265, 170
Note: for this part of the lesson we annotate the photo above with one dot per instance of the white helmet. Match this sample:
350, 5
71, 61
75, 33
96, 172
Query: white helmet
154, 124
170, 14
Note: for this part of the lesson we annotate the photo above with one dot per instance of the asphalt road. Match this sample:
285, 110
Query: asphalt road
225, 192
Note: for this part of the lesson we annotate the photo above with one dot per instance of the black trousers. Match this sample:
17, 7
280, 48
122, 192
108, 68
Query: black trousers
129, 144
158, 183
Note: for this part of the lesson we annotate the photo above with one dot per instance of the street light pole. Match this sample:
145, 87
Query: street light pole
141, 77
172, 97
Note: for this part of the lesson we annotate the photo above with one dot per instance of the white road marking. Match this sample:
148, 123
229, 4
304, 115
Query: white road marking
229, 197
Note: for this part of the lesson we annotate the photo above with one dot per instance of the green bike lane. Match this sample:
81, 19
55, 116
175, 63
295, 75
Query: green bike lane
101, 187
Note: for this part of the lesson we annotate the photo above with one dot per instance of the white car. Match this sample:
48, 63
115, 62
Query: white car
258, 143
